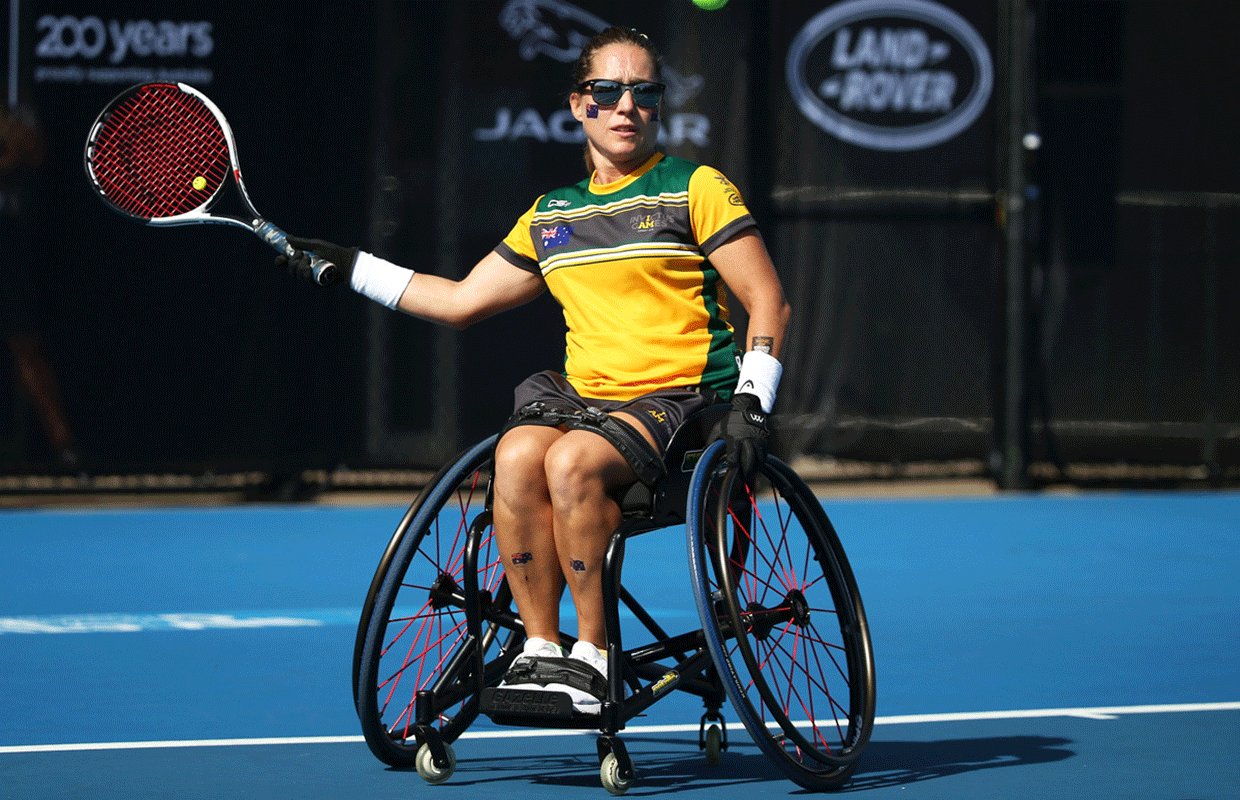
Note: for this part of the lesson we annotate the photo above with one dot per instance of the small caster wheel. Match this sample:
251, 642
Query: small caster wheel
609, 773
714, 746
427, 769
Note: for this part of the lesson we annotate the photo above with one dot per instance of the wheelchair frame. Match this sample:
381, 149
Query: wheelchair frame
453, 634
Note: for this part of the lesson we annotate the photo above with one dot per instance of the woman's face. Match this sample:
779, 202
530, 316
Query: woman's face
621, 135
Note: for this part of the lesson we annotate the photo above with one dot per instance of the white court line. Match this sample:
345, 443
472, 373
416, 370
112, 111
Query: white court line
214, 620
134, 623
1103, 713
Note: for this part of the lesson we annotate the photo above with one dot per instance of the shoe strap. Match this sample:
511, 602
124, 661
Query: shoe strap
568, 671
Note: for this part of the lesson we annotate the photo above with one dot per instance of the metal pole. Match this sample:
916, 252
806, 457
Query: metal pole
1013, 472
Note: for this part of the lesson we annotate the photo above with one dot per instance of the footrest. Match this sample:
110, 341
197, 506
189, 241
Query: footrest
526, 702
533, 709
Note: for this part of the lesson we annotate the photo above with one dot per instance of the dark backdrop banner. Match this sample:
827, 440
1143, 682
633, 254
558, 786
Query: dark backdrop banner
881, 141
1137, 259
185, 348
868, 137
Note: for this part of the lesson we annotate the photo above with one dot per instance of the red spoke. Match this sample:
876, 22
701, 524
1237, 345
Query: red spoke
780, 548
798, 638
394, 678
463, 500
456, 629
409, 621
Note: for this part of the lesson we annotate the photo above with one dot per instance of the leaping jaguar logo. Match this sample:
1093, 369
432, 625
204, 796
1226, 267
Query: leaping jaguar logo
550, 27
559, 30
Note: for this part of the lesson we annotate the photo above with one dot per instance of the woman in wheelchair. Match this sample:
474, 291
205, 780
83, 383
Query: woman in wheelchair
643, 256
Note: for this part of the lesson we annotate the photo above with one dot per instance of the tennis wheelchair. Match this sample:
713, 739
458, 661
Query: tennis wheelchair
784, 636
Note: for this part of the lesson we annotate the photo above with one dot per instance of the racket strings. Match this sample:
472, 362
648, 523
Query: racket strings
160, 153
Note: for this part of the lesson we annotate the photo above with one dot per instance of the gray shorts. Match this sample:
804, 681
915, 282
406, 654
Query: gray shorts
661, 412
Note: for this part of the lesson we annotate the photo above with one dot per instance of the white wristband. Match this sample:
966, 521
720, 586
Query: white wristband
381, 281
760, 376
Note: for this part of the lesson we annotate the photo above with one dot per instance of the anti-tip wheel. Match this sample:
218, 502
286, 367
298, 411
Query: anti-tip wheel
609, 773
714, 746
426, 765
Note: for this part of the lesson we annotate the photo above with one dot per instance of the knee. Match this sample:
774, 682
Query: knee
571, 475
519, 470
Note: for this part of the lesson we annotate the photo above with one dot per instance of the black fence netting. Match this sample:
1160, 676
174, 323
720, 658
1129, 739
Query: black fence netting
1134, 263
909, 164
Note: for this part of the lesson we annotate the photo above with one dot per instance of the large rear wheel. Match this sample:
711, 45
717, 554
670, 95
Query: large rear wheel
783, 618
418, 660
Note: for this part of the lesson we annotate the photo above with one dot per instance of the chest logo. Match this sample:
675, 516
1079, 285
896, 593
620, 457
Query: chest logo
648, 222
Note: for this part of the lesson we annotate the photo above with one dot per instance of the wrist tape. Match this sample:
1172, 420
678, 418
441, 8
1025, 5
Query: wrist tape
381, 281
760, 376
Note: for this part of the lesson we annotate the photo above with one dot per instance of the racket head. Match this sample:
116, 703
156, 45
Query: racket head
160, 153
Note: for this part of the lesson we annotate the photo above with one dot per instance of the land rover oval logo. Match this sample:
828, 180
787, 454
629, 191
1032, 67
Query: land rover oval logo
890, 74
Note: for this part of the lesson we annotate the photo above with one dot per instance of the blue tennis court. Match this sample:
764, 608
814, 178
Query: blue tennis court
1027, 646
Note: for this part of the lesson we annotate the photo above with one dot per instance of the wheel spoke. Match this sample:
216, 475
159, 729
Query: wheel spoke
419, 625
789, 673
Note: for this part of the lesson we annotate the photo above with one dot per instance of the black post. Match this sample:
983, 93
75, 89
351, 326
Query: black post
1012, 424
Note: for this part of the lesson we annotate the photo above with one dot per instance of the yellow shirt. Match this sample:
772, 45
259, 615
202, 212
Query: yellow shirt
629, 264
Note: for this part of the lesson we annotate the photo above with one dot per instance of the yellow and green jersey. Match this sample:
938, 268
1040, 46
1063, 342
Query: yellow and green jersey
629, 264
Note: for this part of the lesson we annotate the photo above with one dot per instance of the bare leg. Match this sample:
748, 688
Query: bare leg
583, 471
524, 528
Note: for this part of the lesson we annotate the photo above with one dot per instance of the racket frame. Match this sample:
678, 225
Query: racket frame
324, 271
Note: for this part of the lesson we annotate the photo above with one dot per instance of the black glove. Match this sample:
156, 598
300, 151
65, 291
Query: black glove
745, 434
299, 265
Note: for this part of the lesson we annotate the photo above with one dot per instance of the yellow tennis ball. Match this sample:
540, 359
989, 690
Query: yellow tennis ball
200, 183
710, 5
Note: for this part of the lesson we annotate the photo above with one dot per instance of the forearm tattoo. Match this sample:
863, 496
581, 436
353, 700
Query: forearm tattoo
763, 344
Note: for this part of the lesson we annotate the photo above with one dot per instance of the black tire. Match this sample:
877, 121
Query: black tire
415, 636
769, 573
376, 583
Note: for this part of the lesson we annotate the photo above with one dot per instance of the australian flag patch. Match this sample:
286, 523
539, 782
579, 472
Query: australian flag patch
556, 236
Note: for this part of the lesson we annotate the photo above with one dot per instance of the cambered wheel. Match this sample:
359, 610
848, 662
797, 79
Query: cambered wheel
417, 663
783, 618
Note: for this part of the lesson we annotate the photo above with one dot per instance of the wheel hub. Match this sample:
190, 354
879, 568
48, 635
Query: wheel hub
443, 590
799, 607
793, 608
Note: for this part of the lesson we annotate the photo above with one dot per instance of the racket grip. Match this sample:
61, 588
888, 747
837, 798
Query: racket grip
325, 272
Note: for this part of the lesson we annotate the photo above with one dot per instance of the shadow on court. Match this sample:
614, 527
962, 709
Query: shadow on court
665, 766
662, 766
888, 764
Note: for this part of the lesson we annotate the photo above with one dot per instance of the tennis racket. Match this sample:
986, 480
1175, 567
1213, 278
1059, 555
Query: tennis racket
161, 153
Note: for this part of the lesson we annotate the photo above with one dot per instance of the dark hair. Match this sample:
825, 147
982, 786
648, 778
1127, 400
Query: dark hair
585, 62
614, 35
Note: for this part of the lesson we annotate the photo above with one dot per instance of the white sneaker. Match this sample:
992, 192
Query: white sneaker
587, 702
540, 648
534, 648
584, 651
543, 667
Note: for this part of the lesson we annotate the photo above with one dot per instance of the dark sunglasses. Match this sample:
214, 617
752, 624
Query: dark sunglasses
646, 94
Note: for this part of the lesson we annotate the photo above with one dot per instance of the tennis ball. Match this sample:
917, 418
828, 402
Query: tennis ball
200, 183
710, 5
